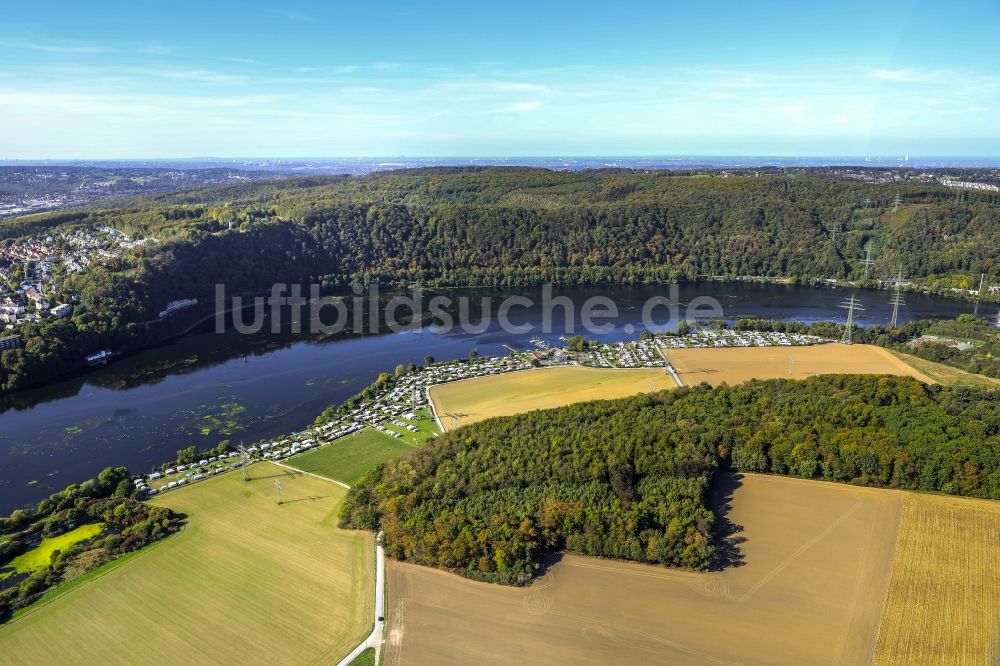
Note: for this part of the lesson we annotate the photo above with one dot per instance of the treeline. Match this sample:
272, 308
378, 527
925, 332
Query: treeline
498, 227
109, 499
628, 478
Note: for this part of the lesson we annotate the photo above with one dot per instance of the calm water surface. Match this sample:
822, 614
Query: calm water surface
208, 387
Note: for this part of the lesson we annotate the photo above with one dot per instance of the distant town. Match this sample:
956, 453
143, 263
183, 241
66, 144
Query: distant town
33, 272
34, 189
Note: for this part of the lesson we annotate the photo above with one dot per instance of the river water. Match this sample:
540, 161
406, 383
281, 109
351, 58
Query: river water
208, 387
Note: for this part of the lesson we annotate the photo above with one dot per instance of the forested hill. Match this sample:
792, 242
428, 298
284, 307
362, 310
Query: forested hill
516, 225
628, 478
502, 226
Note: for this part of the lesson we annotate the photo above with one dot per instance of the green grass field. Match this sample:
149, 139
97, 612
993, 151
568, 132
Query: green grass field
945, 374
347, 459
426, 427
366, 658
40, 556
245, 581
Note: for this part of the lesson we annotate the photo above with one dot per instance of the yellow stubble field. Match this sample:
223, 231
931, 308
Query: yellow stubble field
471, 400
735, 365
829, 574
944, 595
810, 590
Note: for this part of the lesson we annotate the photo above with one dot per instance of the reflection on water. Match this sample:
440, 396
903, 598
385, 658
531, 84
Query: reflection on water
206, 388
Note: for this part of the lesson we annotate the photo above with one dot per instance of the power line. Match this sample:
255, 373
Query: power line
850, 304
246, 460
868, 258
897, 299
833, 228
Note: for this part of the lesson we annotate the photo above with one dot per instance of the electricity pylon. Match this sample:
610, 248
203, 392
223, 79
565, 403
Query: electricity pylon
851, 304
245, 461
897, 299
868, 258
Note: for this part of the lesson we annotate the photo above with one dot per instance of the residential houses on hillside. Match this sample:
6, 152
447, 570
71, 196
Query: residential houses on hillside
32, 270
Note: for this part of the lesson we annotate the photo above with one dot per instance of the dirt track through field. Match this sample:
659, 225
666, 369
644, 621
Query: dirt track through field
810, 590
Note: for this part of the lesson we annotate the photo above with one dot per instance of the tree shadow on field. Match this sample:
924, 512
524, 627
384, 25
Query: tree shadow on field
726, 537
548, 560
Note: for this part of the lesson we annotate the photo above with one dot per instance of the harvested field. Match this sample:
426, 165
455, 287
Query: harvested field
944, 594
809, 590
735, 365
246, 581
471, 400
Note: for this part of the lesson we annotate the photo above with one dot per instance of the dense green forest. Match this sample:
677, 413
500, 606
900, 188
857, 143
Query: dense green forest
499, 227
628, 478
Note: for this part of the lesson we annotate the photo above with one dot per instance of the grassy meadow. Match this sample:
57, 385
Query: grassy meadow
247, 580
946, 374
347, 459
38, 557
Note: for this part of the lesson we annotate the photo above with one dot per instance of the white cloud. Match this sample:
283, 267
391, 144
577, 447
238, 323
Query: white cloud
242, 61
53, 46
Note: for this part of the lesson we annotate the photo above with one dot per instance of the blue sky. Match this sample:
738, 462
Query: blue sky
179, 79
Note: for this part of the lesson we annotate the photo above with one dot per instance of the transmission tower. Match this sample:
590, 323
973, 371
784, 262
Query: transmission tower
851, 304
897, 299
791, 366
868, 258
277, 491
245, 461
895, 203
833, 229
